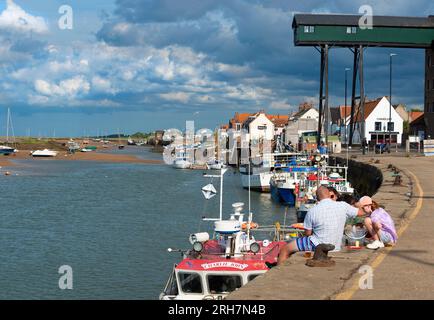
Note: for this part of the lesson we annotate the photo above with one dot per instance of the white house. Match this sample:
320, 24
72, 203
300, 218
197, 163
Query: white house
259, 127
376, 123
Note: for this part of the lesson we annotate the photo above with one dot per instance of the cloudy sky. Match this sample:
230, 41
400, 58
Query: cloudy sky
141, 65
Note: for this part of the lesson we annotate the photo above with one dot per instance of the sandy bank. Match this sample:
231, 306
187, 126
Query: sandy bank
7, 161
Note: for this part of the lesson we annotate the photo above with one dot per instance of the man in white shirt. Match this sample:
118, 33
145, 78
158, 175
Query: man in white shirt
324, 223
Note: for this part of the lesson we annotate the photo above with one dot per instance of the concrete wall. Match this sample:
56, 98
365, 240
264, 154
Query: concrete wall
365, 179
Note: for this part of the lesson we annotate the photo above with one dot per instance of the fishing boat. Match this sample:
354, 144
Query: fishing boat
185, 156
43, 153
131, 142
266, 166
215, 164
219, 264
73, 146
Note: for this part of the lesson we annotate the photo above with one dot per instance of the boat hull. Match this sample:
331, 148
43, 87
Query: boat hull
181, 164
258, 181
282, 195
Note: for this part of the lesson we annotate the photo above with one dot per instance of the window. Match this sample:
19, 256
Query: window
252, 276
190, 282
390, 126
223, 284
377, 126
238, 126
351, 30
309, 29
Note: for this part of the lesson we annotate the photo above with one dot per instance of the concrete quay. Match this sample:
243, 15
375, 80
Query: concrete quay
405, 271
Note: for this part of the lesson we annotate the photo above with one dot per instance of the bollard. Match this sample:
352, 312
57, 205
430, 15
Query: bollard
320, 257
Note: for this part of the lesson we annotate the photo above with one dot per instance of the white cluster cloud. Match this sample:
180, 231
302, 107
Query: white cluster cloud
176, 96
14, 18
68, 88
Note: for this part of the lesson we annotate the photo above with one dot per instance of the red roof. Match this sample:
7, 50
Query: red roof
370, 105
414, 115
278, 120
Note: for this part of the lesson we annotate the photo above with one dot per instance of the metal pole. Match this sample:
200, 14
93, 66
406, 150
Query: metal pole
320, 108
390, 100
326, 102
389, 125
353, 93
345, 108
222, 172
362, 98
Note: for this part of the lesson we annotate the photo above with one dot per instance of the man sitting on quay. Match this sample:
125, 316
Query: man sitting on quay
324, 223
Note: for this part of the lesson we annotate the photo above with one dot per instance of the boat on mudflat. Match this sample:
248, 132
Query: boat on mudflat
6, 150
43, 153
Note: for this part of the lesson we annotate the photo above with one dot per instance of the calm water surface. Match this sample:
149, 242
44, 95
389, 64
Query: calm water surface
112, 223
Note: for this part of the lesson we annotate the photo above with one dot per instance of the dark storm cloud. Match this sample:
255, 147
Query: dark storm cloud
259, 34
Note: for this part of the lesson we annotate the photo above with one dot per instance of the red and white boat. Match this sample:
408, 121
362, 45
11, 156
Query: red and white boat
218, 265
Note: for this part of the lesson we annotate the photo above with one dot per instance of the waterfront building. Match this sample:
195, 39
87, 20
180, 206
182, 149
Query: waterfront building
377, 125
302, 121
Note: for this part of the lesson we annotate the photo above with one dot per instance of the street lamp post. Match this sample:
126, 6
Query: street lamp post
389, 125
345, 108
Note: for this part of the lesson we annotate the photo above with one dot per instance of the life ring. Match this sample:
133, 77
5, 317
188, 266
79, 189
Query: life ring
253, 225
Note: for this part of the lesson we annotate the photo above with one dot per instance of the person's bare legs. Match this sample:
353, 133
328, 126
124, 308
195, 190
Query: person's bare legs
287, 251
377, 229
372, 228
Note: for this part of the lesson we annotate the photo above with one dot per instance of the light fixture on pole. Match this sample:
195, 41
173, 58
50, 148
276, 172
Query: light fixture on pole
389, 125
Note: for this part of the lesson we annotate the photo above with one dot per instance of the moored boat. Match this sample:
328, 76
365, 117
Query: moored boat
44, 153
218, 265
6, 150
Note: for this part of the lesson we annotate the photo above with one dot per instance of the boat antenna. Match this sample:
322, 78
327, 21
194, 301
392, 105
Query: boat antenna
250, 173
222, 172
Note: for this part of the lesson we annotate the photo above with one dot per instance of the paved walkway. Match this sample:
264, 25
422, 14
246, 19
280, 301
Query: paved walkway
405, 271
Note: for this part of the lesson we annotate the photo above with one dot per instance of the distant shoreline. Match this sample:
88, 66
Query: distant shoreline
7, 161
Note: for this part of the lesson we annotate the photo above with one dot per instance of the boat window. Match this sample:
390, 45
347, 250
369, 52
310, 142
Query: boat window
190, 282
223, 283
171, 288
252, 276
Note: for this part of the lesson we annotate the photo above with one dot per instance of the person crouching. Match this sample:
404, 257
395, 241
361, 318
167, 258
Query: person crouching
378, 223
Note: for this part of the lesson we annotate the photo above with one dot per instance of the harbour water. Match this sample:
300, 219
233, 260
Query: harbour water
111, 222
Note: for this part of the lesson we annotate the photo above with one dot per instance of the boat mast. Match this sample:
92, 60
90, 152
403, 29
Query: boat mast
7, 127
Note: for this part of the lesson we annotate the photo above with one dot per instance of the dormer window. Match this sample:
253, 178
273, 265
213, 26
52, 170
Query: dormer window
309, 29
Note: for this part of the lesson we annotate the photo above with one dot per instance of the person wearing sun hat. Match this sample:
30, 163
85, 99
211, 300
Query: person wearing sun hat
378, 223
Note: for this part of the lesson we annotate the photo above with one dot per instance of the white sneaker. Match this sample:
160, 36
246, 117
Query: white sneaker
375, 245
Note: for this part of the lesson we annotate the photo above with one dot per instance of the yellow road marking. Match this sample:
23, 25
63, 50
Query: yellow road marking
348, 294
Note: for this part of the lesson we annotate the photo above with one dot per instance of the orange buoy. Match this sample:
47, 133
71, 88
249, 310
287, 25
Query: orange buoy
253, 225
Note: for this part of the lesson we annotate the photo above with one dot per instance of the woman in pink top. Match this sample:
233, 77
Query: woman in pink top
378, 223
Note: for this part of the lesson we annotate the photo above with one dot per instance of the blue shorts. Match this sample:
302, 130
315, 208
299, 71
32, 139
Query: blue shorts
304, 244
